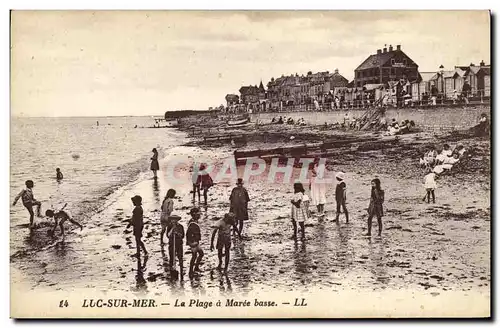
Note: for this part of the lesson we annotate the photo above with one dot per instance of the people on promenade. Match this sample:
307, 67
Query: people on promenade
137, 222
167, 207
193, 237
203, 182
317, 187
155, 166
300, 209
223, 230
29, 201
341, 196
375, 207
239, 204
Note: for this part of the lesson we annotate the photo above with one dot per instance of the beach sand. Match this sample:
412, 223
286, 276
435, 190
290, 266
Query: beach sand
427, 248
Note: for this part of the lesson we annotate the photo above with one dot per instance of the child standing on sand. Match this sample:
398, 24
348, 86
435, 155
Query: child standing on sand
155, 166
29, 201
223, 228
137, 222
63, 216
340, 196
175, 236
167, 208
300, 204
203, 181
376, 206
193, 237
430, 185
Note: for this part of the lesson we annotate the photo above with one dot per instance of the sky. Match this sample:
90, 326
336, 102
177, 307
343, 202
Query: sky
114, 63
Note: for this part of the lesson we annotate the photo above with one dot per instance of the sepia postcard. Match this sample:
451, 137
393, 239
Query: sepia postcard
250, 164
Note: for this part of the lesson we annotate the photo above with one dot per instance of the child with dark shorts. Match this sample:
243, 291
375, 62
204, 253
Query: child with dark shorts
193, 237
137, 222
340, 196
175, 236
62, 216
223, 228
29, 201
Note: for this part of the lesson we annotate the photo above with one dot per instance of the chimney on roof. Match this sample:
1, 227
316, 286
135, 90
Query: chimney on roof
385, 50
379, 51
398, 47
390, 47
481, 63
336, 71
472, 64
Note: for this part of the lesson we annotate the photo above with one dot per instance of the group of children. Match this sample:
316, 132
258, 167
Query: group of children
301, 201
28, 199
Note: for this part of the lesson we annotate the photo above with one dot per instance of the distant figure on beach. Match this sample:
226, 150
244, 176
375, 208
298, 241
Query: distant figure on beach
167, 207
63, 216
318, 187
280, 120
341, 196
223, 230
97, 123
300, 209
466, 89
193, 237
137, 222
204, 182
155, 166
239, 204
29, 201
59, 175
175, 236
430, 185
376, 206
483, 128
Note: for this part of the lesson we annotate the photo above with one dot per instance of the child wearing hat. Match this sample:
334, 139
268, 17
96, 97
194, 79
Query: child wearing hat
223, 229
137, 222
340, 196
193, 237
175, 236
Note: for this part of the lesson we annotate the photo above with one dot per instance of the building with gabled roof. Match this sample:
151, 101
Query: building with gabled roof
384, 66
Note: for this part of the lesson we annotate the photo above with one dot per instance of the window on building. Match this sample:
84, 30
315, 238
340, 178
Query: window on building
404, 62
392, 61
393, 71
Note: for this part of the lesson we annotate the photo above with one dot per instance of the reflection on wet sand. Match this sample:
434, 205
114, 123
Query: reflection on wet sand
301, 261
174, 278
156, 191
377, 256
343, 253
241, 265
140, 282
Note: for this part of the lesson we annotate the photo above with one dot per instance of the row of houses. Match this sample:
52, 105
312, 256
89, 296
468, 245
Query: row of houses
388, 68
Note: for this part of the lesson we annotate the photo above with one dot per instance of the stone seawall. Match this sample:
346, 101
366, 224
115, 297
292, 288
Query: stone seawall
429, 118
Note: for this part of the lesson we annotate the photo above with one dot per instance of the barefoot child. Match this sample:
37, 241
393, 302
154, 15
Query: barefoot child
375, 208
29, 201
137, 222
175, 236
166, 210
59, 175
239, 204
340, 196
430, 185
300, 203
193, 236
63, 216
223, 228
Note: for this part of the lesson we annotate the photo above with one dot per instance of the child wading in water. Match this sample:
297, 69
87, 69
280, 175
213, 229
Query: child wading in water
29, 201
137, 222
300, 209
63, 216
193, 236
59, 175
340, 196
166, 210
203, 181
223, 227
430, 185
175, 236
375, 208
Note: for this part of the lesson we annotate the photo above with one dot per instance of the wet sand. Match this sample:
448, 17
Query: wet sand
428, 248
